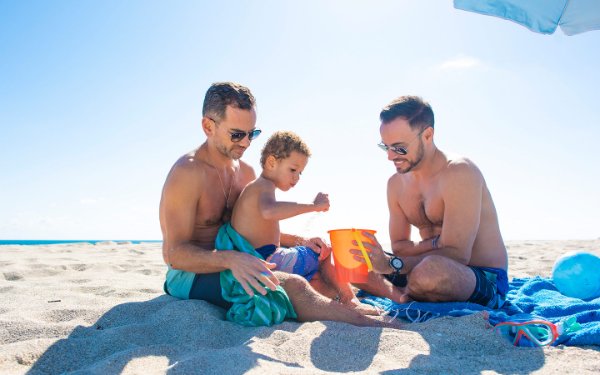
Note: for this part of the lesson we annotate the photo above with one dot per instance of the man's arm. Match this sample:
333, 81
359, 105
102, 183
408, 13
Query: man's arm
178, 212
400, 227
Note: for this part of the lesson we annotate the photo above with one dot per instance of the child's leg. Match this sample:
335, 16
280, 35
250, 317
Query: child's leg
344, 290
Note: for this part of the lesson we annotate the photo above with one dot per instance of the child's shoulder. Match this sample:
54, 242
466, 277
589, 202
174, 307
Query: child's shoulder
261, 184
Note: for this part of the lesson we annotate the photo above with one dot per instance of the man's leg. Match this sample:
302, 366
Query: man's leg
438, 279
312, 306
207, 287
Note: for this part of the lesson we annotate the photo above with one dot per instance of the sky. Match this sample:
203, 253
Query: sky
99, 98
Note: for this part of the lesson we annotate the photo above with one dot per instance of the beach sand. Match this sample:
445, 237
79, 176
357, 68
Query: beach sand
101, 309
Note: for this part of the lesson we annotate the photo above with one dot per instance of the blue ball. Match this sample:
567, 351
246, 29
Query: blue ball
577, 274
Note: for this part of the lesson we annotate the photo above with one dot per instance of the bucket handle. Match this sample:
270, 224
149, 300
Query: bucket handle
362, 249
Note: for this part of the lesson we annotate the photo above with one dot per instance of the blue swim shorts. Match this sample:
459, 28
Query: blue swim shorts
299, 260
491, 286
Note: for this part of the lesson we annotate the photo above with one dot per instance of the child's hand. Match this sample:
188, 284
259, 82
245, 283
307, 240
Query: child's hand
321, 202
319, 246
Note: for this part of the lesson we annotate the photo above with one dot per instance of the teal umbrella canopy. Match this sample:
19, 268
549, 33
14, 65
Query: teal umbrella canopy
541, 16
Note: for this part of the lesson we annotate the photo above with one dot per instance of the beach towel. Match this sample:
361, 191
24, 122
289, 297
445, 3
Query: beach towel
258, 310
537, 296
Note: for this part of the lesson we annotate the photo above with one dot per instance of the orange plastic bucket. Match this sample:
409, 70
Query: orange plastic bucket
347, 268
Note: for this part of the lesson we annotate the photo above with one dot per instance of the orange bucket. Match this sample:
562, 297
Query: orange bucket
347, 268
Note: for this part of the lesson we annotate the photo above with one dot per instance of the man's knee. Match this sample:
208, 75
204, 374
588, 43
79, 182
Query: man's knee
427, 275
293, 284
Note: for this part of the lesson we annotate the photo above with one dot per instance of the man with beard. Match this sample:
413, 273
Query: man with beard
197, 198
462, 256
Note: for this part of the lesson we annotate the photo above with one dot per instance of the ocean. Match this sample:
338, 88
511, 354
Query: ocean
51, 242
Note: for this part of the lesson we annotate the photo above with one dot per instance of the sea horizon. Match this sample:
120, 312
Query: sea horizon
53, 242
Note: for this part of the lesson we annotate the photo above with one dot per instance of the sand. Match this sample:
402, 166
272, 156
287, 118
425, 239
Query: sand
100, 309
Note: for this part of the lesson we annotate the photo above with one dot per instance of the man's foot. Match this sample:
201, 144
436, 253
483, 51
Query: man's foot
399, 295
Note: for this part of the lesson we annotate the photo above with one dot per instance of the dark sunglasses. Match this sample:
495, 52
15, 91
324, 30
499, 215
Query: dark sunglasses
237, 136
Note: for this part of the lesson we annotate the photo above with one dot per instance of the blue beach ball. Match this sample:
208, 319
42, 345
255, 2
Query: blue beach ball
577, 274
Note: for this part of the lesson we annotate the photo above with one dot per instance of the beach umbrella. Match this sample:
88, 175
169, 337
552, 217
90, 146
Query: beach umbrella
542, 16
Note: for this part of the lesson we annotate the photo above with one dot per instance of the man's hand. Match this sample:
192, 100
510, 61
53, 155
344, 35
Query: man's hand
317, 245
379, 259
252, 272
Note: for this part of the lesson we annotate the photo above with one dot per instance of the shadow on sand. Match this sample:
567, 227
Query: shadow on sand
184, 333
187, 337
476, 350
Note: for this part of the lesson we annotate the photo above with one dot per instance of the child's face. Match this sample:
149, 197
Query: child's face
287, 171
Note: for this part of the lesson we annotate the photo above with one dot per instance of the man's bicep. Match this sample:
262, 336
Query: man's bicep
399, 226
179, 202
462, 211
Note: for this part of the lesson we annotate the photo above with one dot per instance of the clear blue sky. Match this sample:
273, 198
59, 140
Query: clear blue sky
99, 98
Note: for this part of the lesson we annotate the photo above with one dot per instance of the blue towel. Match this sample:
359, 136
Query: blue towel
537, 296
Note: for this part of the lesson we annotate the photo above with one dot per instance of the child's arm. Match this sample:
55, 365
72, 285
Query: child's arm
271, 209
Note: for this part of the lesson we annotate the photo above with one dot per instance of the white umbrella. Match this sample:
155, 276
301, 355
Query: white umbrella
542, 16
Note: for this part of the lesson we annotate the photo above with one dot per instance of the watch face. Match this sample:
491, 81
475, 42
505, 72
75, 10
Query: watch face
396, 263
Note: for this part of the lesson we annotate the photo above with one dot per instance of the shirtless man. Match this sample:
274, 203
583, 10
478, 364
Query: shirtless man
197, 198
462, 256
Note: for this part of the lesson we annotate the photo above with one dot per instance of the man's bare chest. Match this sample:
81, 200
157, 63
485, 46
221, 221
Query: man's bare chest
423, 208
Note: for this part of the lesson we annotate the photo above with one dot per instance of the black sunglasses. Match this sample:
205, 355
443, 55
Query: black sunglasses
237, 136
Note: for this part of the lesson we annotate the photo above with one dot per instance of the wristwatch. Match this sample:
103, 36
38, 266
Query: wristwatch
397, 264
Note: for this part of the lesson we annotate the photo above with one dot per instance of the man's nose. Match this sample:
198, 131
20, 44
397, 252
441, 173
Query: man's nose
391, 155
245, 141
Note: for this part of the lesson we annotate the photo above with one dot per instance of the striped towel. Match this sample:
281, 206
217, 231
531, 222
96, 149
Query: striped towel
259, 310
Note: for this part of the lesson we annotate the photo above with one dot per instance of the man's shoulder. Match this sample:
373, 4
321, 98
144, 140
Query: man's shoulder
460, 167
246, 168
187, 167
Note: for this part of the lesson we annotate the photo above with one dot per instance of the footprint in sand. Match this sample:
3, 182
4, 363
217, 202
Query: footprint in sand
146, 272
13, 276
79, 267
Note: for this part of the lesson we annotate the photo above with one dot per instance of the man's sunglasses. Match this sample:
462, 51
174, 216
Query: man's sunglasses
237, 136
400, 150
397, 149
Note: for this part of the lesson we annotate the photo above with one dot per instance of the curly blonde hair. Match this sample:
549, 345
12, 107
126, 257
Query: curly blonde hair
281, 144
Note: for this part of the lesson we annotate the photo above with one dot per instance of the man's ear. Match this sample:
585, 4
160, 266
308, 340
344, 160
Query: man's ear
208, 126
428, 134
